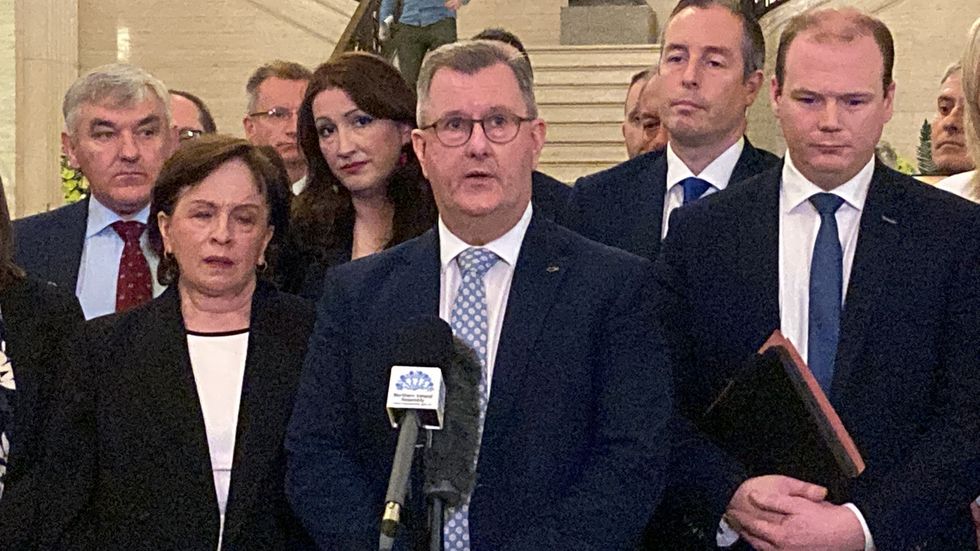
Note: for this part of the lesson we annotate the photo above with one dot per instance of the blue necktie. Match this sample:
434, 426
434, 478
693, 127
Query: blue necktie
468, 320
826, 288
694, 188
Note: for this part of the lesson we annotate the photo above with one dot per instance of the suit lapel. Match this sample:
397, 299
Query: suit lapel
651, 223
879, 236
758, 253
540, 269
420, 281
70, 240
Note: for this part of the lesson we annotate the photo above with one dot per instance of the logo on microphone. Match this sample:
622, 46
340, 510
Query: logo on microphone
415, 380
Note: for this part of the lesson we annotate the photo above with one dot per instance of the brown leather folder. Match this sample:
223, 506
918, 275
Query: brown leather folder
775, 419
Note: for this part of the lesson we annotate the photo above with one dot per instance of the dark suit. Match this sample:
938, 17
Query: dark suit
49, 245
905, 381
128, 465
574, 445
38, 318
623, 206
549, 196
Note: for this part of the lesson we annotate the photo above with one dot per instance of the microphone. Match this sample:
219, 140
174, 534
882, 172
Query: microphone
416, 397
450, 462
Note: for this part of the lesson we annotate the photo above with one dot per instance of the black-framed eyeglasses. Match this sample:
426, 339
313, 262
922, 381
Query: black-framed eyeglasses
499, 128
278, 114
188, 133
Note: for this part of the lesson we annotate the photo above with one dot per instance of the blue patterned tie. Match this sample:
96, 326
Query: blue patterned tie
826, 288
694, 188
469, 322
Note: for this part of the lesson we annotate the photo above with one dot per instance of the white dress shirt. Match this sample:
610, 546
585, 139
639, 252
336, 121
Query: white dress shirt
718, 173
959, 184
218, 363
798, 226
99, 268
799, 223
497, 279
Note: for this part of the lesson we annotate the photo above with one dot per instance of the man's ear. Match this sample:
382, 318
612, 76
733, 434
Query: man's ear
68, 147
420, 147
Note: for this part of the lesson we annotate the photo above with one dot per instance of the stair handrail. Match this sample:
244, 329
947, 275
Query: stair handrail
361, 32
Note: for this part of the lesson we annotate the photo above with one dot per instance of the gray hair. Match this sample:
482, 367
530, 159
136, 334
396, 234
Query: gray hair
122, 84
953, 68
469, 57
285, 70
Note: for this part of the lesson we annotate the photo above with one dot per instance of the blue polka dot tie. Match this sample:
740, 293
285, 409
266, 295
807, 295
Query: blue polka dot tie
469, 322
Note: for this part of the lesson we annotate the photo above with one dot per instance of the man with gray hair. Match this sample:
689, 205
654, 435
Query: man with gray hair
949, 151
574, 395
275, 92
118, 133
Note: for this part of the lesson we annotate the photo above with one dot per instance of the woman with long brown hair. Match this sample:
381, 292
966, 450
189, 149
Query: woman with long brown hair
365, 189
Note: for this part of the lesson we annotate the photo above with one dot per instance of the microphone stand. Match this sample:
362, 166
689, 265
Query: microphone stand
435, 522
401, 467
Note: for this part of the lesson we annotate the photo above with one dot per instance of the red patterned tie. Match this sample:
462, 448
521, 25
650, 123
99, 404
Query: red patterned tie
134, 286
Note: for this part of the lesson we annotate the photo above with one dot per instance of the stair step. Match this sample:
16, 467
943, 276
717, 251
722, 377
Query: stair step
579, 132
600, 152
581, 94
568, 173
639, 55
583, 112
621, 74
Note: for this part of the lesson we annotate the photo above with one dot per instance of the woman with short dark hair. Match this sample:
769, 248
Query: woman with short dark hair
365, 188
170, 433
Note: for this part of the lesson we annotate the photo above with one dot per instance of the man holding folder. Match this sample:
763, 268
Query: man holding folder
852, 262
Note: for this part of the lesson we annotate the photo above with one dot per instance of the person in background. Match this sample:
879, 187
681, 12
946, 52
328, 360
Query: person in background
275, 91
549, 195
167, 431
366, 191
632, 121
191, 116
949, 150
418, 27
36, 320
967, 184
651, 103
710, 72
118, 132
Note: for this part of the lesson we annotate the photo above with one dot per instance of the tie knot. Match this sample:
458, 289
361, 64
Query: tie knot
694, 188
129, 230
476, 261
826, 203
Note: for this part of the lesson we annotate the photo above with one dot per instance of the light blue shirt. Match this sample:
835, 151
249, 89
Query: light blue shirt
99, 269
418, 12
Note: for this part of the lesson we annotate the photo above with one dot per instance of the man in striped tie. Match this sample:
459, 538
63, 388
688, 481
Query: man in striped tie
574, 393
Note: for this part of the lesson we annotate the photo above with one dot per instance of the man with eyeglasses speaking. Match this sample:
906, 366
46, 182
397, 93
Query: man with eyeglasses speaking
275, 92
574, 393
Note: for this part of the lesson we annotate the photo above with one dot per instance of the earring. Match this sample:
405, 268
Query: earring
261, 267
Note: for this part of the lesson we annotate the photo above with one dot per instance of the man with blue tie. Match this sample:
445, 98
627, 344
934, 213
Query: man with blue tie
575, 391
710, 72
118, 133
853, 263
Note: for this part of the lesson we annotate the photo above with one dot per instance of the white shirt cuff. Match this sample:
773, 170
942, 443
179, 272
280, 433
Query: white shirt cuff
869, 544
725, 536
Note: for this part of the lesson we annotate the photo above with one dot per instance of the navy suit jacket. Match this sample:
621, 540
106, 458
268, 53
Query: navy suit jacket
549, 195
49, 245
127, 464
905, 379
623, 206
574, 447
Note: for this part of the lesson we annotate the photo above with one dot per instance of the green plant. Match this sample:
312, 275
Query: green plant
74, 185
923, 154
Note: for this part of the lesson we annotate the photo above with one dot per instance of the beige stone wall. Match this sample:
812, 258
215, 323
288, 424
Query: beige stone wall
928, 36
537, 23
210, 48
8, 99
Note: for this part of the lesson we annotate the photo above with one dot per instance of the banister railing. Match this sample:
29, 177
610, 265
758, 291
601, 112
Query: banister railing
361, 32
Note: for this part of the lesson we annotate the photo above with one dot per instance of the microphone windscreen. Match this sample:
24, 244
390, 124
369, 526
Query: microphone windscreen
450, 462
425, 341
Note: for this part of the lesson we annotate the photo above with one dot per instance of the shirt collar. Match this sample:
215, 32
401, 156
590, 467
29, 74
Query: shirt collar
101, 217
796, 189
718, 173
507, 246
